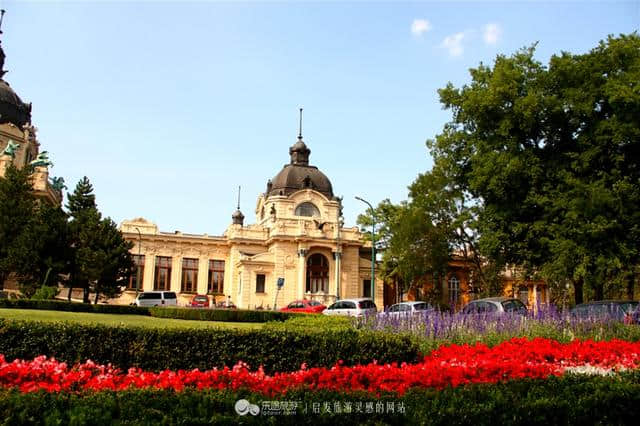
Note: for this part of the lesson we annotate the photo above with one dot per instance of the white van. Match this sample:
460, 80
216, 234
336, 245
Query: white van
156, 298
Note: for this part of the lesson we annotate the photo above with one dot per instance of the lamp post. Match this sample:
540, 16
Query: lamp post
138, 262
373, 248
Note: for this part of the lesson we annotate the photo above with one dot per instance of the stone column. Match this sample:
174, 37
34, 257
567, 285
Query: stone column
203, 275
337, 255
535, 298
176, 273
5, 161
302, 259
149, 270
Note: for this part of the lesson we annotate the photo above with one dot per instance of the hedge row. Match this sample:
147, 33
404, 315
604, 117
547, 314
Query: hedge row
565, 400
234, 315
60, 305
158, 349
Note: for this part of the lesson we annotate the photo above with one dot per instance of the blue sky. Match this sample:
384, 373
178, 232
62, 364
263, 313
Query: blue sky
168, 107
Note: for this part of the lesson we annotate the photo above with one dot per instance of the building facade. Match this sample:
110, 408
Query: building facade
299, 242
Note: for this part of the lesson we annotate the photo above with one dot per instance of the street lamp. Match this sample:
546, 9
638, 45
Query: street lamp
138, 261
373, 248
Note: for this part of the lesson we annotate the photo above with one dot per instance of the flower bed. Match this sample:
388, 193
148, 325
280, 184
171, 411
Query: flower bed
448, 366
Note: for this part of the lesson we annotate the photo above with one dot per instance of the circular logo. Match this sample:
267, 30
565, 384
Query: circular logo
242, 406
254, 409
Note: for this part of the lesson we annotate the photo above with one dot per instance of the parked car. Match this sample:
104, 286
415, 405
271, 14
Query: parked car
495, 304
308, 306
156, 298
199, 301
404, 308
622, 310
352, 307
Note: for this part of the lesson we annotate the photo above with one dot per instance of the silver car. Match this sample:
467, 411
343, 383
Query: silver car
352, 307
406, 308
495, 305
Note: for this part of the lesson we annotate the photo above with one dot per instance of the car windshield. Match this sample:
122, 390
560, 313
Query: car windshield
421, 306
314, 303
170, 295
201, 299
629, 307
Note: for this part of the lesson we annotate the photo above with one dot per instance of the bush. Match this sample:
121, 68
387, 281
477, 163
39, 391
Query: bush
313, 323
557, 400
159, 349
59, 305
45, 293
233, 315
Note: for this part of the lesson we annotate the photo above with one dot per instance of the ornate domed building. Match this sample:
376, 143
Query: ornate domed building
18, 142
298, 242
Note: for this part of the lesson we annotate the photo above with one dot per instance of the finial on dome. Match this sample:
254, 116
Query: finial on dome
2, 55
237, 217
300, 128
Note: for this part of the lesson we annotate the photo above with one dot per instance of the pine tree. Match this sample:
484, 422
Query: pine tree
82, 199
83, 229
101, 258
17, 207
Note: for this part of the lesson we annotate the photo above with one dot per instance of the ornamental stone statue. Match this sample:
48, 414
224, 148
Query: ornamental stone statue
11, 149
57, 183
42, 160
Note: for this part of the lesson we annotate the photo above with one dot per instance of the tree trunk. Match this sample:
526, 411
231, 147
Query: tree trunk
69, 295
577, 289
85, 295
96, 300
598, 291
630, 285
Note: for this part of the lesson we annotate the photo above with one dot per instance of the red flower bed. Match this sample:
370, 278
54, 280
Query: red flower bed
448, 366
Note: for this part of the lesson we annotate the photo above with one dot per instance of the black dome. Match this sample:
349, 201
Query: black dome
12, 109
299, 175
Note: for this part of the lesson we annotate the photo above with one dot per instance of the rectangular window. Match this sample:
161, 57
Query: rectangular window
260, 278
162, 278
189, 275
138, 271
216, 277
366, 288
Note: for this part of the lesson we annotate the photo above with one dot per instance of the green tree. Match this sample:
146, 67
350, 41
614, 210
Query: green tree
549, 154
17, 207
101, 259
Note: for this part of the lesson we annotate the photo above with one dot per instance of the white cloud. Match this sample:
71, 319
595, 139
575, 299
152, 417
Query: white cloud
453, 43
492, 33
420, 26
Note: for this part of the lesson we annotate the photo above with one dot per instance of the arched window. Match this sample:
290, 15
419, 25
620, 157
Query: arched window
307, 209
454, 289
317, 274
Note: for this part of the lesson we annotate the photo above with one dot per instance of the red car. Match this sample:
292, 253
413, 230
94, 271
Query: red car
199, 301
308, 306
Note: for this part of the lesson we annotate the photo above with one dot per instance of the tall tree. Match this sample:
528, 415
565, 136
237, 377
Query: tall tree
83, 228
550, 155
101, 259
17, 208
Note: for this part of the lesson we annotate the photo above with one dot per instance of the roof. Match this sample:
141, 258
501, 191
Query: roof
298, 175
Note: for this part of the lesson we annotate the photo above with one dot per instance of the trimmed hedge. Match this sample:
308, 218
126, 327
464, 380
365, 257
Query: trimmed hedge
566, 400
159, 349
233, 315
60, 305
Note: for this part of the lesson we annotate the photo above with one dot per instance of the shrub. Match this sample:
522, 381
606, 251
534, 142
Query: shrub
59, 305
233, 315
159, 349
313, 323
563, 400
45, 293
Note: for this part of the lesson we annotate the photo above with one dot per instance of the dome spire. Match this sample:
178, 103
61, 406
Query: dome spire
300, 128
2, 55
237, 217
299, 152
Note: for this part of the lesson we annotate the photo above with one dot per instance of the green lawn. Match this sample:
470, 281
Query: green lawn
114, 319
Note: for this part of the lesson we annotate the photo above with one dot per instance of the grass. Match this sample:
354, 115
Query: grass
117, 320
